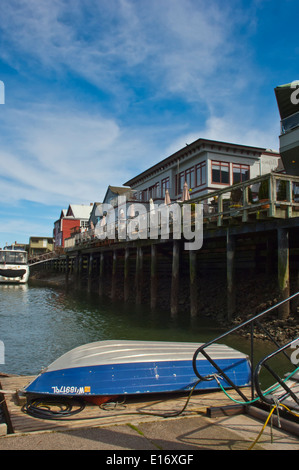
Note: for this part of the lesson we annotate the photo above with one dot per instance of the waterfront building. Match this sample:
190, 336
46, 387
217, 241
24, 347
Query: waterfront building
206, 166
72, 220
40, 245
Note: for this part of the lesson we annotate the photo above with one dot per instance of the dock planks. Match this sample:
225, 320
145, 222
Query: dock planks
133, 410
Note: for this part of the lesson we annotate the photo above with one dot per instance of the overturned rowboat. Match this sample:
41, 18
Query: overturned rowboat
110, 368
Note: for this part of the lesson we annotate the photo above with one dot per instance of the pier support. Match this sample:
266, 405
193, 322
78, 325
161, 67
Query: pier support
230, 274
114, 280
139, 274
174, 299
101, 275
126, 274
89, 273
154, 277
193, 283
67, 269
80, 269
283, 270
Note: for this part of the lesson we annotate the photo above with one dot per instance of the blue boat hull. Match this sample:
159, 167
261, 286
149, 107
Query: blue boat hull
137, 377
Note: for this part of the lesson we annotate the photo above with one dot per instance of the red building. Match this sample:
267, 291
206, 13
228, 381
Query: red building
75, 218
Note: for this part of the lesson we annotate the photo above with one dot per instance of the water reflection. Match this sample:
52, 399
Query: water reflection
39, 324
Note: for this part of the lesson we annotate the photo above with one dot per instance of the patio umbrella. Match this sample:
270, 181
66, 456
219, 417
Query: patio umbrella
186, 194
131, 210
167, 198
151, 206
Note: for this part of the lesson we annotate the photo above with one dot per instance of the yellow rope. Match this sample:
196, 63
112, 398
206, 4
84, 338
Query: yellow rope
263, 428
267, 420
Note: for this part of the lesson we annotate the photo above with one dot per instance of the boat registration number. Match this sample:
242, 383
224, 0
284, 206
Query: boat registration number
71, 390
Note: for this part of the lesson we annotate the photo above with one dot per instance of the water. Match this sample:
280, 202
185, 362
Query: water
39, 324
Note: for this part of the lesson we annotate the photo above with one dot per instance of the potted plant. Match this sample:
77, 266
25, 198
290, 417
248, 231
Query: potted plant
236, 198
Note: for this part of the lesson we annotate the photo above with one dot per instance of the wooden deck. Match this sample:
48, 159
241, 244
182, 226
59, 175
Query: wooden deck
133, 410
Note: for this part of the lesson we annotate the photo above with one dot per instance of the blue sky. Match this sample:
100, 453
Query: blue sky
96, 91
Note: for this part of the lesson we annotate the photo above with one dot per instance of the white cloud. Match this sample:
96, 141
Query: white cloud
59, 156
232, 130
178, 47
71, 152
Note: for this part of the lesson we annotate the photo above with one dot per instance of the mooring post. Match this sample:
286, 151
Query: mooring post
193, 283
67, 268
139, 274
154, 278
80, 268
174, 299
101, 272
126, 274
89, 273
114, 268
283, 270
230, 274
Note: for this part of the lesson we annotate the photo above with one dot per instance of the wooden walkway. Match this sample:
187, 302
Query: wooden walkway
134, 410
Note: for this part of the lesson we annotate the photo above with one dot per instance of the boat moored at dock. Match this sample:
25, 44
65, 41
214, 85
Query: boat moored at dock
14, 266
113, 368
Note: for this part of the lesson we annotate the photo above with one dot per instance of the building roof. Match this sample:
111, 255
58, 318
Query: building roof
199, 145
79, 211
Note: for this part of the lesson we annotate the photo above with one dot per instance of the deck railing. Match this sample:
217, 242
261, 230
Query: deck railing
273, 195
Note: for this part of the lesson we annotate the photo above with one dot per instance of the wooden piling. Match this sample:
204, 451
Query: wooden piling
101, 274
67, 268
193, 283
139, 274
114, 279
89, 274
230, 274
283, 270
126, 274
154, 277
174, 299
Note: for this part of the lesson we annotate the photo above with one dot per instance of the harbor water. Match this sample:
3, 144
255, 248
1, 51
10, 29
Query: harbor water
38, 324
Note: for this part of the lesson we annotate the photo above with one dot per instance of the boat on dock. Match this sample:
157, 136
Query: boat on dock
14, 268
115, 368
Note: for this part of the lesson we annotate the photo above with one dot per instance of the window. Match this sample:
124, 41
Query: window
187, 176
143, 195
154, 191
164, 186
179, 182
220, 172
240, 173
200, 174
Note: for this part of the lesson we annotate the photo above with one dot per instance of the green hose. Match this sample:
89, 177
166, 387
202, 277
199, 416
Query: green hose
269, 390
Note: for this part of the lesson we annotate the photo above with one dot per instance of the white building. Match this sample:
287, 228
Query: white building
206, 166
